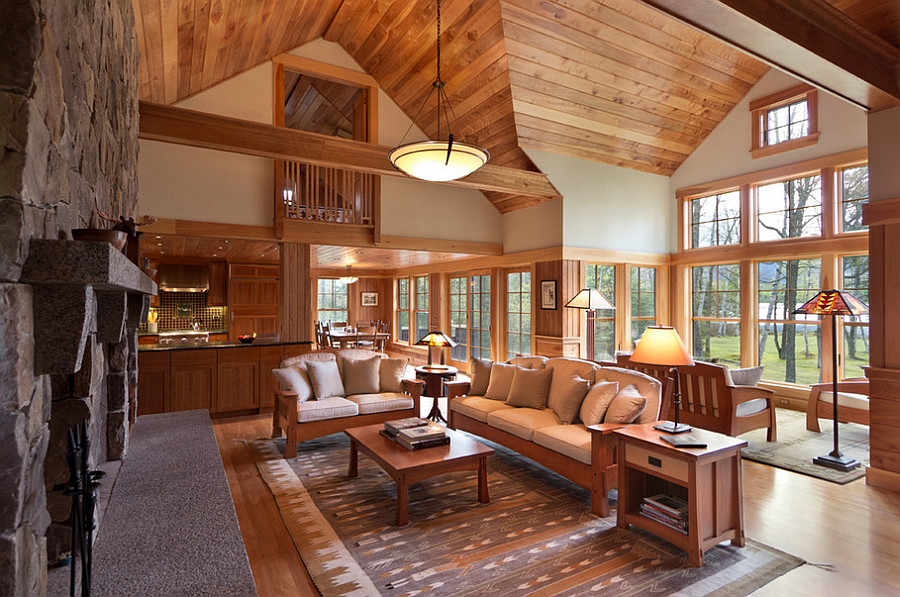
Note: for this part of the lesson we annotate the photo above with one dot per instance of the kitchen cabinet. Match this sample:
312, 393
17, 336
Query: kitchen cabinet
193, 378
238, 379
153, 382
217, 296
148, 339
270, 358
254, 292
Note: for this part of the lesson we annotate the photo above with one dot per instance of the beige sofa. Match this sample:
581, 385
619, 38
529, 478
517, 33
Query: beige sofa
330, 390
560, 412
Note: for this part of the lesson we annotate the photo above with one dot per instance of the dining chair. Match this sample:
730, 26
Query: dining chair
367, 337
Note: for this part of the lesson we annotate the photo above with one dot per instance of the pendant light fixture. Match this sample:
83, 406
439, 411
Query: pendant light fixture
349, 278
438, 161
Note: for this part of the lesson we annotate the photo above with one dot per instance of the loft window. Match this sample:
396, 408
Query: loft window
784, 121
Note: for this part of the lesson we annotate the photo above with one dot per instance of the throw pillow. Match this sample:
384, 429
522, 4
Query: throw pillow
325, 379
500, 382
362, 376
530, 388
480, 372
566, 407
293, 379
748, 376
596, 402
626, 407
392, 372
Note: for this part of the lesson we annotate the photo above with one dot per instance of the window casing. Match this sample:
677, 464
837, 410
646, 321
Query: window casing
784, 121
518, 313
331, 300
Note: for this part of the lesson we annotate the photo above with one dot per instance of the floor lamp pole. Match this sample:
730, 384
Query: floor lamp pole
591, 322
835, 459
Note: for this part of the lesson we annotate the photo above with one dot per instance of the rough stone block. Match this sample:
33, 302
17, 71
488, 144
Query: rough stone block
112, 308
63, 317
13, 462
118, 354
16, 347
117, 434
117, 391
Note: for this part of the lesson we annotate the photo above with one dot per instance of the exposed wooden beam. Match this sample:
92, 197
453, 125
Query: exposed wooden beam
807, 38
209, 131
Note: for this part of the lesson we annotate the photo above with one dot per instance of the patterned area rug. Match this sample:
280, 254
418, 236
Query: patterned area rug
796, 447
535, 538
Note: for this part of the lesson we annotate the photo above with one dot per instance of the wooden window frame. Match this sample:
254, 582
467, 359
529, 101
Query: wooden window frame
760, 108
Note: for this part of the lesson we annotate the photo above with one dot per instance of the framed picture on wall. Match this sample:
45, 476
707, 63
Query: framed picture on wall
548, 294
369, 299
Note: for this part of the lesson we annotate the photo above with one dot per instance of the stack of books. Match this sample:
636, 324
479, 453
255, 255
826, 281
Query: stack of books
415, 433
668, 510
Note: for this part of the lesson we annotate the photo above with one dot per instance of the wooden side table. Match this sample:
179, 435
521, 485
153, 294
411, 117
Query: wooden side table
434, 387
708, 478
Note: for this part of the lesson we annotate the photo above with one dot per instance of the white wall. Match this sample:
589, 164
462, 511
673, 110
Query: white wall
726, 151
538, 227
605, 207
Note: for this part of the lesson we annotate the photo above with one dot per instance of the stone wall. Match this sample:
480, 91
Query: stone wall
68, 147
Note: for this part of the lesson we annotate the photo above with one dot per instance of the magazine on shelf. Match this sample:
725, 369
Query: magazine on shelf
394, 427
673, 523
422, 433
425, 443
669, 504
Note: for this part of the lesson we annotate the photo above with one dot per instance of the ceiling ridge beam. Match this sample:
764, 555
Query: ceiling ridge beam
807, 38
210, 131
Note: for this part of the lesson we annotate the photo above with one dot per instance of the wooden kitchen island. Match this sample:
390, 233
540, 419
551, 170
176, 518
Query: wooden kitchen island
222, 377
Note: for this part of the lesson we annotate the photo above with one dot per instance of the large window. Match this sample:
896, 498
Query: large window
518, 313
716, 313
790, 209
403, 310
470, 317
854, 194
789, 345
331, 300
421, 307
643, 300
716, 220
603, 278
855, 276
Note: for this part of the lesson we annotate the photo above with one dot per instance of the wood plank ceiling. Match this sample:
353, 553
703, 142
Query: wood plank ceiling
613, 81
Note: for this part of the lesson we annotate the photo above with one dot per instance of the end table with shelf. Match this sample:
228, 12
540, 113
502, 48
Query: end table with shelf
434, 377
709, 479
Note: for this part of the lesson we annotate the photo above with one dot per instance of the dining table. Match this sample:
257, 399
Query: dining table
345, 337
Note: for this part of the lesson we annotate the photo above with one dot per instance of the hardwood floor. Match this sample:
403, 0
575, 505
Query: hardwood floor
850, 533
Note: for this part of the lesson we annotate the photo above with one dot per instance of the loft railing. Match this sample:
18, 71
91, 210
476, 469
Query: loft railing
322, 194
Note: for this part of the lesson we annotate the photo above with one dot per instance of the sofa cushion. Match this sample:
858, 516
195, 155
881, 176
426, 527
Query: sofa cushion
845, 399
362, 376
529, 362
597, 401
480, 372
379, 403
522, 422
529, 388
565, 368
477, 407
501, 379
301, 360
649, 387
355, 354
294, 379
626, 407
325, 379
748, 376
751, 407
392, 373
327, 408
571, 396
573, 441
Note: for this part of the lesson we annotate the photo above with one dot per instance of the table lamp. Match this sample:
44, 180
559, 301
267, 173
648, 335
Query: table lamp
834, 303
437, 340
661, 345
590, 300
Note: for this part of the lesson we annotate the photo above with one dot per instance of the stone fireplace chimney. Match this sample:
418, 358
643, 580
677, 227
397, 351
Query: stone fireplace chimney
68, 311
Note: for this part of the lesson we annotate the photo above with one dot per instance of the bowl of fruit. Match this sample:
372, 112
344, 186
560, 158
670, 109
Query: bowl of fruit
247, 338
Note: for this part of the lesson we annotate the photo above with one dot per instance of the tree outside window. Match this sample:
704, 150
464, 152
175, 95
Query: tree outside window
716, 220
789, 345
603, 278
787, 122
518, 313
854, 194
643, 300
716, 313
421, 302
331, 300
789, 209
459, 309
403, 310
855, 276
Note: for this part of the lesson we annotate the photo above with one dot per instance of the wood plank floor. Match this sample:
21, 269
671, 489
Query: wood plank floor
852, 532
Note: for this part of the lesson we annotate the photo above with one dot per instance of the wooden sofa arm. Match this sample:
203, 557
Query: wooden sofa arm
414, 388
605, 428
285, 411
457, 388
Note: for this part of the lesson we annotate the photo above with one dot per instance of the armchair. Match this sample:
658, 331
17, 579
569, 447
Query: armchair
853, 403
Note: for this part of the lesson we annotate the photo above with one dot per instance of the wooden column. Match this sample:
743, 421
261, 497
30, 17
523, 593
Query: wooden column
559, 331
296, 293
882, 215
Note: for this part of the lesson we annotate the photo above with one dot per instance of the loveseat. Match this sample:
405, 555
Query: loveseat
559, 412
330, 390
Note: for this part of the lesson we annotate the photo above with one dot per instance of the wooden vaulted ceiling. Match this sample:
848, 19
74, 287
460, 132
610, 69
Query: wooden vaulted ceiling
632, 83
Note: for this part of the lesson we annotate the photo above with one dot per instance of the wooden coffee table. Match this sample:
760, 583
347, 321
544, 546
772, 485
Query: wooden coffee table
407, 467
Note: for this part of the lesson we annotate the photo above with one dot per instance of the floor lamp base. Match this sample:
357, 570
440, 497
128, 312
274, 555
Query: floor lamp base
837, 461
670, 427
